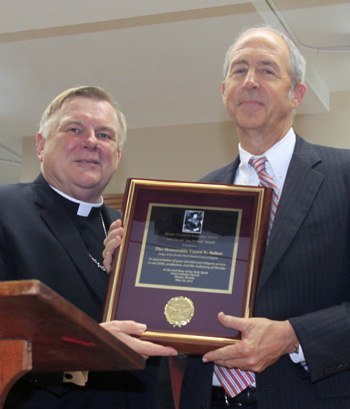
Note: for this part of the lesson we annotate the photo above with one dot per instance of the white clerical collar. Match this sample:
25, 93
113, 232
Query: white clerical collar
84, 207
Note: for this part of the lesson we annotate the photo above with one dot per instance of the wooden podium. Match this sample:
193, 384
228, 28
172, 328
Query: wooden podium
42, 332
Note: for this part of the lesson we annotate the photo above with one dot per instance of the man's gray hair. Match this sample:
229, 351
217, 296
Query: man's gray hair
297, 63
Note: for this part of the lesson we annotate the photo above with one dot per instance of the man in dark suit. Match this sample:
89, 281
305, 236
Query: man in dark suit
53, 230
297, 344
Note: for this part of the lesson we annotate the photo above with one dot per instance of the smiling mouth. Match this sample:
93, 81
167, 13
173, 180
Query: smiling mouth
251, 102
88, 161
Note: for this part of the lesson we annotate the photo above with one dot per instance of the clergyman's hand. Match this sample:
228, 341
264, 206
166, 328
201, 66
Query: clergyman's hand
127, 332
111, 243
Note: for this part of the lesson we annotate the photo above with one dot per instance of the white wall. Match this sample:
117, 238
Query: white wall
174, 153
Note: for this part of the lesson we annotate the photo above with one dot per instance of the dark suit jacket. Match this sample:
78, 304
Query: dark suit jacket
38, 240
305, 278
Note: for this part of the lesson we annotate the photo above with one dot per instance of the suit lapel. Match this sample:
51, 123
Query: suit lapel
59, 222
300, 188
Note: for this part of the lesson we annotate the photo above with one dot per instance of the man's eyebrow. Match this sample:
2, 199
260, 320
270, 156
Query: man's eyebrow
66, 122
245, 62
81, 123
106, 128
236, 62
268, 62
262, 63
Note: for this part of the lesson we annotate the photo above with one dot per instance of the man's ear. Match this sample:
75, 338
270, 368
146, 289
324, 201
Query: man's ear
40, 144
298, 94
223, 87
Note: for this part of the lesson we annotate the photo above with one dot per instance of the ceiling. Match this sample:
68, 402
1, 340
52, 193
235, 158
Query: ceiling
161, 59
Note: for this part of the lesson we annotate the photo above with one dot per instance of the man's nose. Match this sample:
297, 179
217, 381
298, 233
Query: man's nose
251, 80
90, 140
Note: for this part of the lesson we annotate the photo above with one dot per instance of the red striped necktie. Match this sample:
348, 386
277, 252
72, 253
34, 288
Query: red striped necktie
266, 180
234, 380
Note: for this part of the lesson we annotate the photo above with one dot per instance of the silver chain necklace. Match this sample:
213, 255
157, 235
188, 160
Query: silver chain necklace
99, 265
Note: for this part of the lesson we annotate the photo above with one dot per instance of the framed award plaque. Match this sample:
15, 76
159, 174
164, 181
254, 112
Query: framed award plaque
190, 250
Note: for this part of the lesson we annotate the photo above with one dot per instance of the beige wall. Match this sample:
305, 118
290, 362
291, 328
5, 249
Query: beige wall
188, 152
331, 129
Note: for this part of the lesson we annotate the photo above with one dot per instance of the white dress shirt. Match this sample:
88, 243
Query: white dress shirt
278, 160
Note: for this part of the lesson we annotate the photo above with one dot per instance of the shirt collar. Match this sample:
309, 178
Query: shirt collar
84, 208
278, 156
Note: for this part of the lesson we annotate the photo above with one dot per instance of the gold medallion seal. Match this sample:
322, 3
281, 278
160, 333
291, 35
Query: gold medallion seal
179, 311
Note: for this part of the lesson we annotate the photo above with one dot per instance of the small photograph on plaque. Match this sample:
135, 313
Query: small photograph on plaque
193, 221
190, 250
